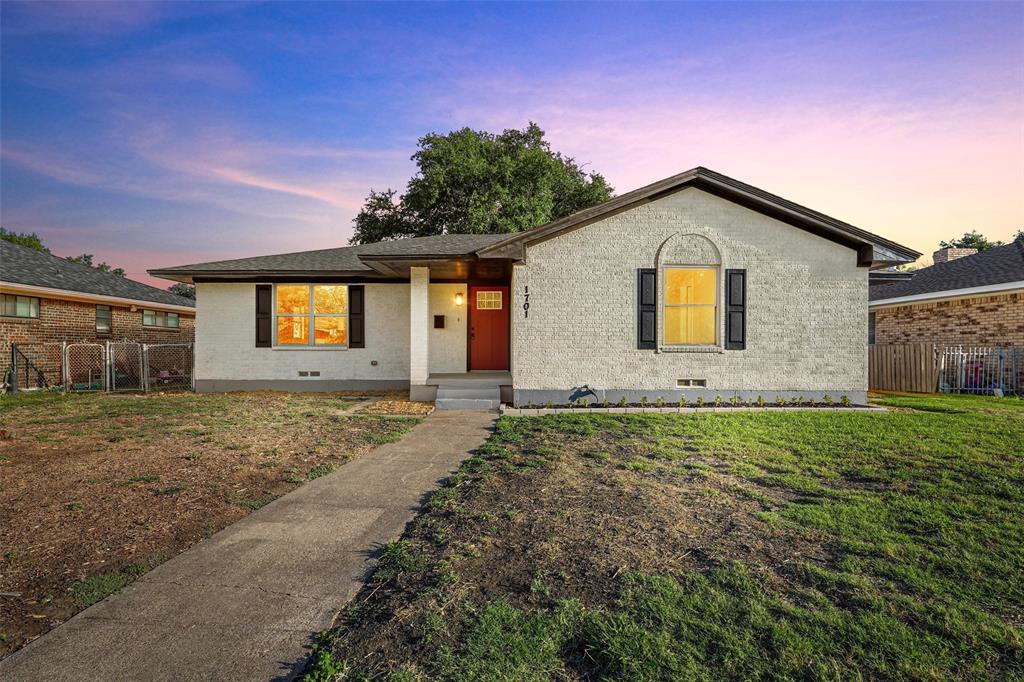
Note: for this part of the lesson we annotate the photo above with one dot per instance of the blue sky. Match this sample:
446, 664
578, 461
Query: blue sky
160, 134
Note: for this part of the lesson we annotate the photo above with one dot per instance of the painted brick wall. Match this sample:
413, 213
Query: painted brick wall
996, 320
806, 315
226, 350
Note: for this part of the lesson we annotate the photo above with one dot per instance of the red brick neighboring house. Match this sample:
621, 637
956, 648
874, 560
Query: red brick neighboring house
45, 298
965, 298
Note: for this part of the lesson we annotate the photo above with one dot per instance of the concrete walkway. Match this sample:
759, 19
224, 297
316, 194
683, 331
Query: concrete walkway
245, 604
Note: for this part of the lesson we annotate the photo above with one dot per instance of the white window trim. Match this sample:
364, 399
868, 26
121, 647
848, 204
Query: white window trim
717, 346
158, 326
311, 317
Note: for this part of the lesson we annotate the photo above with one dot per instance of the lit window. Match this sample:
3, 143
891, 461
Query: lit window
19, 306
488, 300
690, 306
103, 319
314, 315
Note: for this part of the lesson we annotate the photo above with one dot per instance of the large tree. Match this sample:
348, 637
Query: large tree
183, 290
971, 240
474, 182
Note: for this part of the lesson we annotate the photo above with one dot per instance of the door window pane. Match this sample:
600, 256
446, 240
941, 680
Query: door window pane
292, 331
488, 300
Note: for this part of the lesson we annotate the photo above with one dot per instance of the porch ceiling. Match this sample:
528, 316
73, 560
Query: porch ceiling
459, 269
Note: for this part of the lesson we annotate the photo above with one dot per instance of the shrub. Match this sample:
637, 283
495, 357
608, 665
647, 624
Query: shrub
760, 401
660, 402
699, 402
622, 401
718, 401
643, 400
845, 401
827, 399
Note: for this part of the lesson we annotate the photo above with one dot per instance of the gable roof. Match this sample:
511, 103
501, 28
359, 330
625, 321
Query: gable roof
999, 266
369, 260
875, 250
22, 265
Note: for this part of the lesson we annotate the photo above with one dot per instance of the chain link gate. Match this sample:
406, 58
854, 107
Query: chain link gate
125, 360
168, 366
85, 367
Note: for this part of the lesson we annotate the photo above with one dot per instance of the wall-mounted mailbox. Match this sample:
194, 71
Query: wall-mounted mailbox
438, 321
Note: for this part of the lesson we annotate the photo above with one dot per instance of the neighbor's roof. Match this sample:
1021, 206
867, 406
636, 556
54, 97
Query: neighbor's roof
22, 265
358, 260
999, 266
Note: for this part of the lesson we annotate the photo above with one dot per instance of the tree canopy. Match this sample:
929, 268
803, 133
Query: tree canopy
86, 259
31, 240
182, 289
475, 182
971, 240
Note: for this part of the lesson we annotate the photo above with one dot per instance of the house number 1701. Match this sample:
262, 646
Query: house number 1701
526, 301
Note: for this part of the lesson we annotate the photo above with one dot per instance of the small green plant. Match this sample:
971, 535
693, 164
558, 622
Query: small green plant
643, 401
718, 401
827, 399
538, 586
760, 401
734, 401
320, 470
548, 404
622, 401
604, 403
699, 402
146, 478
88, 591
780, 401
529, 404
660, 402
844, 401
194, 456
171, 490
581, 402
74, 506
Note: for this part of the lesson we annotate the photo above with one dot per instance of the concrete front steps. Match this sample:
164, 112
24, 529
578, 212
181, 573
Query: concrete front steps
455, 397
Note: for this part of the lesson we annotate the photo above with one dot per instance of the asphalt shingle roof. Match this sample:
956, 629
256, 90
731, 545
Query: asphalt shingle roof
346, 258
995, 266
22, 265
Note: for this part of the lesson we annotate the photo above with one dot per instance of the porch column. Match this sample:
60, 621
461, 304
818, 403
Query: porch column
419, 334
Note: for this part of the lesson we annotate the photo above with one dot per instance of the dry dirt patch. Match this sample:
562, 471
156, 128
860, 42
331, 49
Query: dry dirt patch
94, 490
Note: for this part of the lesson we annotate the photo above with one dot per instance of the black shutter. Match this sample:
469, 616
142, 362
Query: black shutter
264, 302
647, 308
735, 309
357, 317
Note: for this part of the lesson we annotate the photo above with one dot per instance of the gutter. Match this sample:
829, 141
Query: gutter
948, 294
69, 295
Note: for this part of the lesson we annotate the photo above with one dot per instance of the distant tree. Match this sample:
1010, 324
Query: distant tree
183, 290
1019, 237
31, 240
86, 259
970, 240
475, 182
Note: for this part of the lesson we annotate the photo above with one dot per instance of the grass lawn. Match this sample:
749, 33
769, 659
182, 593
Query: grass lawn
774, 546
96, 489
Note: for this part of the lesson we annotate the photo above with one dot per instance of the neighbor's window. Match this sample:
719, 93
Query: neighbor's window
155, 318
690, 306
488, 300
19, 306
311, 315
103, 319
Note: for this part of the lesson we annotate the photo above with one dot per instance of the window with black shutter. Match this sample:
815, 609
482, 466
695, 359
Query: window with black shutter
735, 309
357, 316
647, 308
264, 309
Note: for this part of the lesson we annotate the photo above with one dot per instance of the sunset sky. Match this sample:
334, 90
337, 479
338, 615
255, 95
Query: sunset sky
155, 135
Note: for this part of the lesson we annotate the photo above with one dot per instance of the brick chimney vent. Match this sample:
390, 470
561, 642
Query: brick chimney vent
947, 254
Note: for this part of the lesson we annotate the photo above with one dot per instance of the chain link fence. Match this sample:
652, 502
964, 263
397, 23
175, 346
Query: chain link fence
107, 366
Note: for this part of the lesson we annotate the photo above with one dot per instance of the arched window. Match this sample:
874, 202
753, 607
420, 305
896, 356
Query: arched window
689, 267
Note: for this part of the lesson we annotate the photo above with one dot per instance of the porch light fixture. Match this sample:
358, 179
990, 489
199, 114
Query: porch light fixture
458, 298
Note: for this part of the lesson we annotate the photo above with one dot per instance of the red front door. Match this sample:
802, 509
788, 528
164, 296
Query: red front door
488, 327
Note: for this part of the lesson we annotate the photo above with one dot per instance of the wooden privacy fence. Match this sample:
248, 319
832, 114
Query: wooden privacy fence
908, 367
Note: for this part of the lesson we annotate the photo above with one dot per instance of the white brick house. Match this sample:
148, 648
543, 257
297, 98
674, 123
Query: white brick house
697, 285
